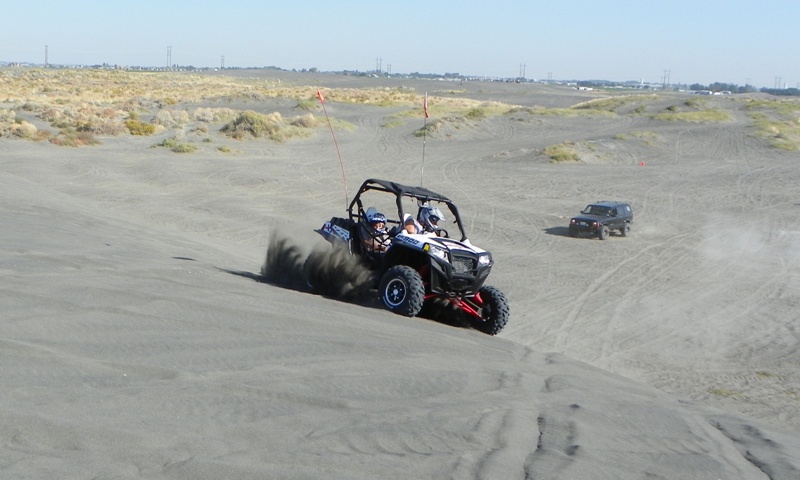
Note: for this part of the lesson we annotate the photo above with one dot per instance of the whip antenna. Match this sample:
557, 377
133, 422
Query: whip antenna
341, 165
424, 135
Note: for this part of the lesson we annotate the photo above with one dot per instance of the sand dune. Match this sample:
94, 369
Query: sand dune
140, 340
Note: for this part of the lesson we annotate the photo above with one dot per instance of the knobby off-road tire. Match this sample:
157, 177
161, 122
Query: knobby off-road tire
625, 230
494, 313
603, 233
402, 291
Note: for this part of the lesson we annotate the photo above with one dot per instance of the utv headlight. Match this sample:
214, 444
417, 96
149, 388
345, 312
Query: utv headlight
485, 259
437, 252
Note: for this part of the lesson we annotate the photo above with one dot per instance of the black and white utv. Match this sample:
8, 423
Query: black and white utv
416, 270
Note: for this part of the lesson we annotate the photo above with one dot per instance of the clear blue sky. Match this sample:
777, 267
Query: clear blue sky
699, 41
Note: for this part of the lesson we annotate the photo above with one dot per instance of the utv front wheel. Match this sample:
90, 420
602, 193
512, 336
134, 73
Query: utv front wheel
494, 311
402, 291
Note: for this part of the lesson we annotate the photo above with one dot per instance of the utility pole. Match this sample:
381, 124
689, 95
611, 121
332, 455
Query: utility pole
169, 57
45, 57
222, 63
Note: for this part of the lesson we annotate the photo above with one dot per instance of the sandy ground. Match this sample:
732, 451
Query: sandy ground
137, 341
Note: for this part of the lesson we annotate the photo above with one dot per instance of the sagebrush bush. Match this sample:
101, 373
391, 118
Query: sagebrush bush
25, 130
253, 124
563, 152
74, 138
306, 121
210, 115
171, 118
136, 127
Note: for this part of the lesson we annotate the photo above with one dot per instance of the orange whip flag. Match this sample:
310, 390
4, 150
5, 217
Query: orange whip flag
424, 135
341, 165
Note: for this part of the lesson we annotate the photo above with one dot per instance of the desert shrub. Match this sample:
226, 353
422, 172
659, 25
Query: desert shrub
393, 124
476, 113
563, 152
184, 148
694, 103
429, 128
74, 138
283, 134
26, 130
105, 127
51, 114
167, 143
307, 104
171, 118
7, 115
137, 127
209, 115
253, 124
700, 116
176, 146
7, 119
305, 121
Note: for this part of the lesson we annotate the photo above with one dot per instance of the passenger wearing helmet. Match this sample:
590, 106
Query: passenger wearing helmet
427, 223
374, 235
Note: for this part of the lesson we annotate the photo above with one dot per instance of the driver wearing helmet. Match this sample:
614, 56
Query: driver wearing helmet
427, 222
375, 237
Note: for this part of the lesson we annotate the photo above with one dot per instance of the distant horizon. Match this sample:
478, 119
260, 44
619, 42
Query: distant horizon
675, 42
178, 68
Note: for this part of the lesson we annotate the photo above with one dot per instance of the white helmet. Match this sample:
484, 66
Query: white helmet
430, 218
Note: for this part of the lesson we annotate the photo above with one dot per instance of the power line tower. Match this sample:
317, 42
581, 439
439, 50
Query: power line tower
521, 70
378, 65
222, 63
169, 57
45, 57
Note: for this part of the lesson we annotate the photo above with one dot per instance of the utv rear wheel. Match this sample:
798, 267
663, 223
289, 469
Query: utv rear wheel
494, 311
603, 233
402, 291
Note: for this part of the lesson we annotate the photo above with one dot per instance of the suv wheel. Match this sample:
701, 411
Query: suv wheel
402, 290
603, 233
625, 230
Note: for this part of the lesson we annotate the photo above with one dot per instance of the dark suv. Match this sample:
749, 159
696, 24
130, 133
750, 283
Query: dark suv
417, 270
601, 218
